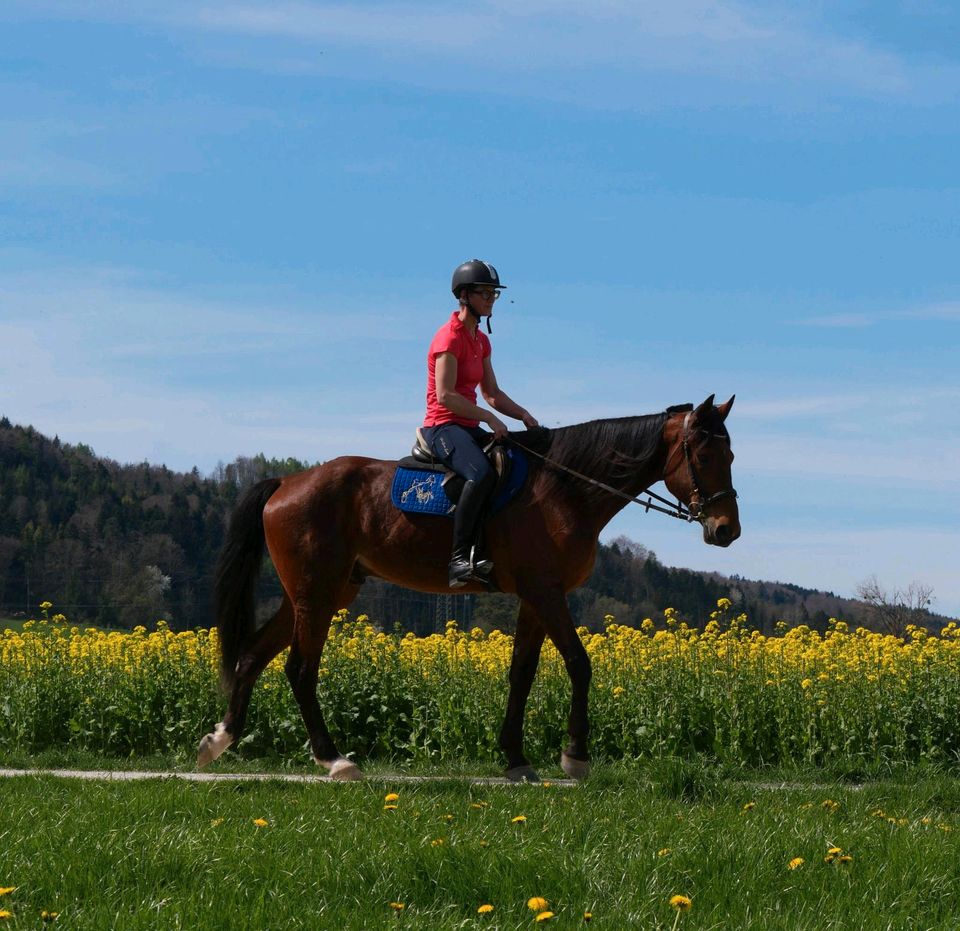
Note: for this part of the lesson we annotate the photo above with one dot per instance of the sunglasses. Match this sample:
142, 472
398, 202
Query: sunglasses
488, 294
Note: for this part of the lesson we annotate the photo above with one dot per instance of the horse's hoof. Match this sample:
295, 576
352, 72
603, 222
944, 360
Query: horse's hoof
575, 769
213, 745
342, 769
524, 773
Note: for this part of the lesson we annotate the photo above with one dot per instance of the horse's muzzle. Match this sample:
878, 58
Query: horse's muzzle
720, 531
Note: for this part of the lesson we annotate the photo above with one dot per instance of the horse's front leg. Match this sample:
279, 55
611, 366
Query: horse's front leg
523, 667
551, 607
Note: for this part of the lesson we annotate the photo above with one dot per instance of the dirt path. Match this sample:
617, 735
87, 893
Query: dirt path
116, 775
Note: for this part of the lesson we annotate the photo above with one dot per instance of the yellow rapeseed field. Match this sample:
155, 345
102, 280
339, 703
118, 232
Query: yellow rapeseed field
661, 689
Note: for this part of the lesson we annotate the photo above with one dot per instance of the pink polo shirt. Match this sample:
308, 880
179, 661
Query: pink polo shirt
454, 337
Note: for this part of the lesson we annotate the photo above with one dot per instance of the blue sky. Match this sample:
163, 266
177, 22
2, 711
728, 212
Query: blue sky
228, 228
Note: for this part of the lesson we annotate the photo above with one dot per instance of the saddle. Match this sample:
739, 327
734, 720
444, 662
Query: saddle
424, 484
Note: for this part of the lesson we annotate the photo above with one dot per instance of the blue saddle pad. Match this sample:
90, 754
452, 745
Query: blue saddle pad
418, 491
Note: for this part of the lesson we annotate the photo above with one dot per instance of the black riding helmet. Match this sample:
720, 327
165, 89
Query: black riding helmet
474, 272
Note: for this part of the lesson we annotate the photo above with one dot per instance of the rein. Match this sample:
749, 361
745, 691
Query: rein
689, 513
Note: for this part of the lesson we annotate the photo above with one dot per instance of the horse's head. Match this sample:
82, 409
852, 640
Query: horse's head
697, 469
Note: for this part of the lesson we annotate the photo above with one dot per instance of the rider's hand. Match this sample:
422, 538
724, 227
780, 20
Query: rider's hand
498, 426
529, 421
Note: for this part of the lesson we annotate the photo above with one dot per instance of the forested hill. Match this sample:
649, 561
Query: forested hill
121, 545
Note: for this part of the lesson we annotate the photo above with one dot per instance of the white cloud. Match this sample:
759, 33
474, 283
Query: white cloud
588, 52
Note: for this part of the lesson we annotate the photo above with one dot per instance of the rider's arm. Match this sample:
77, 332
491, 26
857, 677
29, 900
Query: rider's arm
446, 379
499, 400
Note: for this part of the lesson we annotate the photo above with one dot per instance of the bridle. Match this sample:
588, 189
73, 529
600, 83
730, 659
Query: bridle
692, 512
697, 504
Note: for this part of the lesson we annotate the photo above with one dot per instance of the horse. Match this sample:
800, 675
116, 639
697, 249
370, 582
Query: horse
329, 527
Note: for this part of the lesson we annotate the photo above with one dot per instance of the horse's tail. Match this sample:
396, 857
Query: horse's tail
235, 582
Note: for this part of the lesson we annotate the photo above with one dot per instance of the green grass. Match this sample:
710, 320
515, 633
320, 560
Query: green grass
176, 855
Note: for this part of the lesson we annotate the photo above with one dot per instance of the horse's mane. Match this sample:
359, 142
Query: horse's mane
610, 450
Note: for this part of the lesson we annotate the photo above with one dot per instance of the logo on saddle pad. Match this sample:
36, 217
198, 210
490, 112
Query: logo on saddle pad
421, 491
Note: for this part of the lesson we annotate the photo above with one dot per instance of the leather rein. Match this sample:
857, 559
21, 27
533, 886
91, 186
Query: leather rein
692, 512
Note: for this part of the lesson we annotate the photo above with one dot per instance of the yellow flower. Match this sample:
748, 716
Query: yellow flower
544, 916
437, 842
681, 903
587, 916
749, 806
846, 858
796, 863
46, 605
4, 913
663, 852
537, 904
391, 797
260, 822
479, 805
485, 909
397, 906
49, 916
389, 807
215, 822
6, 890
830, 805
519, 819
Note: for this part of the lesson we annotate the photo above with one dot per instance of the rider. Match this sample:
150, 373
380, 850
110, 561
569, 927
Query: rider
457, 362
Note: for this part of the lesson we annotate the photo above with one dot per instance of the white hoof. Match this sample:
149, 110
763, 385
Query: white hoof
213, 745
342, 769
575, 769
522, 774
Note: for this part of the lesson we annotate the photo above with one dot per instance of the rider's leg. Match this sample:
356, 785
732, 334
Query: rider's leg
460, 450
464, 564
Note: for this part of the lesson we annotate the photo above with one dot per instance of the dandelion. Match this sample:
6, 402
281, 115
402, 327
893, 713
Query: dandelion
216, 822
397, 906
845, 858
663, 852
681, 903
437, 842
49, 916
587, 916
448, 818
544, 916
391, 797
5, 913
796, 863
828, 804
389, 807
485, 909
260, 822
519, 819
749, 806
478, 806
537, 904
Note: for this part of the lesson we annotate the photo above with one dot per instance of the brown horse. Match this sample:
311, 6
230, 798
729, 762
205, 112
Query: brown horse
331, 526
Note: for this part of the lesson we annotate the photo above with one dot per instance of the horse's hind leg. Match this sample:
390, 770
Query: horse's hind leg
523, 667
311, 627
268, 641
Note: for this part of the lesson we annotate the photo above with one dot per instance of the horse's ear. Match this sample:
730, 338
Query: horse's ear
704, 408
724, 408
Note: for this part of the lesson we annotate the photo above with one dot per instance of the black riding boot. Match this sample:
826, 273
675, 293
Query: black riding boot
464, 567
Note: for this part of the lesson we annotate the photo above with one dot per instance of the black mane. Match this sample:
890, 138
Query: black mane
611, 450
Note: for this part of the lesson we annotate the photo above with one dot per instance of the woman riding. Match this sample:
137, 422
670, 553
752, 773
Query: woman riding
457, 362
